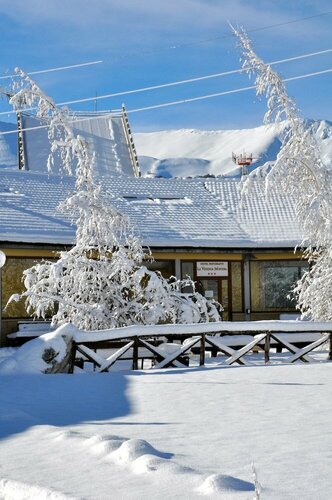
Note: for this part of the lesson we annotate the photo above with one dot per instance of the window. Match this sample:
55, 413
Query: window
12, 282
187, 270
272, 282
166, 267
236, 270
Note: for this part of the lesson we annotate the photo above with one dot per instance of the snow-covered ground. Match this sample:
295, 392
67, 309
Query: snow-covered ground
189, 433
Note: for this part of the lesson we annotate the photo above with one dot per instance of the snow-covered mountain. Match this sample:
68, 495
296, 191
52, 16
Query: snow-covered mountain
182, 153
185, 153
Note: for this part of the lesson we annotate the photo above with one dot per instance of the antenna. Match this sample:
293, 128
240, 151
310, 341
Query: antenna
243, 160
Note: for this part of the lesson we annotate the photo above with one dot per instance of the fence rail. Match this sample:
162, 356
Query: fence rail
138, 343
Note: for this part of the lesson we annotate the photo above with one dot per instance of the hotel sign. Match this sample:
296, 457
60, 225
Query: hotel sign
212, 269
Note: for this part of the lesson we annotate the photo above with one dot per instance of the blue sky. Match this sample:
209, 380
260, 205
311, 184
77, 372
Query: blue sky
148, 42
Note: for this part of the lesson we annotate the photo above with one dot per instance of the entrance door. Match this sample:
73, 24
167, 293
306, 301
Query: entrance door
216, 289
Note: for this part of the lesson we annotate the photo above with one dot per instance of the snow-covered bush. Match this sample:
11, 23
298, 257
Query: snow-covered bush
300, 173
102, 282
49, 353
99, 292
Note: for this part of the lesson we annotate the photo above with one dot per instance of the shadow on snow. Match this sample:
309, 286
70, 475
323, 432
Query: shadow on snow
60, 400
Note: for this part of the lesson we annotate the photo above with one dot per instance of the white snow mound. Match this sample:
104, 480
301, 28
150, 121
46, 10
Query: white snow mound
105, 446
29, 357
131, 450
150, 463
216, 483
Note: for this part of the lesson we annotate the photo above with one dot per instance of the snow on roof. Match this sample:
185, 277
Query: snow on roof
105, 135
28, 208
165, 212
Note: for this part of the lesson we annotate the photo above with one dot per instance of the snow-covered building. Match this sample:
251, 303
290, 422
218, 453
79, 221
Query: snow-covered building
240, 251
108, 136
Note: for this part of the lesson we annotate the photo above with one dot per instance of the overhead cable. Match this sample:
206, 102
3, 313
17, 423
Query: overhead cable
227, 92
171, 84
60, 68
224, 36
190, 80
172, 103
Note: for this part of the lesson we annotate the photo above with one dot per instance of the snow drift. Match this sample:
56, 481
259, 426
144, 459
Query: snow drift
48, 353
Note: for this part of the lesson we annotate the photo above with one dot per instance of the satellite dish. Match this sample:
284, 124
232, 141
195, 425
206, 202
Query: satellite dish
2, 259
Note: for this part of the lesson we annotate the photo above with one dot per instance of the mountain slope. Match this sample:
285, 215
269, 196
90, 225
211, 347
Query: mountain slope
190, 153
181, 153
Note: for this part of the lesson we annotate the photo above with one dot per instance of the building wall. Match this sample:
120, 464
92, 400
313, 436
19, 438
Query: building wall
270, 278
18, 259
268, 273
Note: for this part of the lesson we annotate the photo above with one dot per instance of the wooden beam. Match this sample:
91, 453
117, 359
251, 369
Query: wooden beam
309, 348
267, 347
290, 347
114, 357
71, 365
135, 354
90, 354
202, 350
241, 352
160, 355
179, 352
225, 349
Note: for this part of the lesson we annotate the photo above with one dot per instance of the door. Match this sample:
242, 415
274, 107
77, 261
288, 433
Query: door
216, 289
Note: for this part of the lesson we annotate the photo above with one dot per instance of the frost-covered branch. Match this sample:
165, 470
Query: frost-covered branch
103, 281
28, 95
298, 170
300, 173
257, 485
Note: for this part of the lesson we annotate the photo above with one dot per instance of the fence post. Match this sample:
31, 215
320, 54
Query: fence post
267, 347
202, 351
71, 361
330, 351
135, 354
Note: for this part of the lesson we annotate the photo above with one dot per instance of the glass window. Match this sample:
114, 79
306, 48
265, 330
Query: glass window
272, 282
166, 267
12, 274
236, 270
187, 270
224, 300
209, 288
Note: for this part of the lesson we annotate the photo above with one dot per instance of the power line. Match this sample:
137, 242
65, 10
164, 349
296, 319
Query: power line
173, 103
176, 83
190, 80
180, 45
227, 92
60, 68
277, 25
221, 37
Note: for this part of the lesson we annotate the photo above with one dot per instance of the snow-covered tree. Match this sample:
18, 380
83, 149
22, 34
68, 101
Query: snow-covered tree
300, 173
102, 282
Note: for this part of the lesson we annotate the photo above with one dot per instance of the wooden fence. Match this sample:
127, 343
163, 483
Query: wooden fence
139, 343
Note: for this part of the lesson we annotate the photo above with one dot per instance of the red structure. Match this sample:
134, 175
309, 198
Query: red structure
243, 160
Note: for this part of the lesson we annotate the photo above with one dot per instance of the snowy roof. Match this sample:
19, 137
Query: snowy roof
165, 212
106, 136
